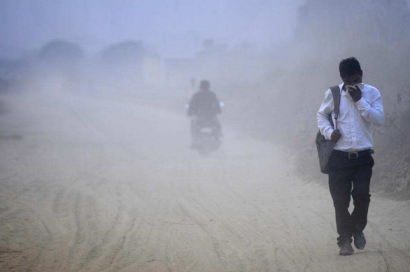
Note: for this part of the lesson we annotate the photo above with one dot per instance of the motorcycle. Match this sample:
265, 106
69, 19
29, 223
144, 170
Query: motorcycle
206, 133
206, 136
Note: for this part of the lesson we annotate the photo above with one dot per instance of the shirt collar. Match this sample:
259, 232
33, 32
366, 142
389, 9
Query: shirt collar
341, 87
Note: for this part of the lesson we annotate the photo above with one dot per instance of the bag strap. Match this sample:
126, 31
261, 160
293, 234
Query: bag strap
336, 101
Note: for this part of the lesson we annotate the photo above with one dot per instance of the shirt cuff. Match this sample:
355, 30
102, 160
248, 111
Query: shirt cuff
329, 133
362, 104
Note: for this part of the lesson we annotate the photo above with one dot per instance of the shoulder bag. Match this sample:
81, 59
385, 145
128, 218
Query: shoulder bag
325, 147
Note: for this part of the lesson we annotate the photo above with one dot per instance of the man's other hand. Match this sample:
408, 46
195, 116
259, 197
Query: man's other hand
355, 93
335, 135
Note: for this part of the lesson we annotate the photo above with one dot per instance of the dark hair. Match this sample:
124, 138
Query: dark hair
349, 67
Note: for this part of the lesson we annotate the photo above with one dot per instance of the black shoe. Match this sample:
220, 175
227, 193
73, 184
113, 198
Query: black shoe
346, 249
359, 240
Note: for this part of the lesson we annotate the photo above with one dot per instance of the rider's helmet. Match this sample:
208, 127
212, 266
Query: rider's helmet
204, 85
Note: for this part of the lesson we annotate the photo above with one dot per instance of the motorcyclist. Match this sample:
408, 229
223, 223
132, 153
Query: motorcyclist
205, 107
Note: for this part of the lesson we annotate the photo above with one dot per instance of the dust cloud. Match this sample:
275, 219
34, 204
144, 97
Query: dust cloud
96, 169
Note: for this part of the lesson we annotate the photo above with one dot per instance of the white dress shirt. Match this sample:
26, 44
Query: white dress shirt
354, 119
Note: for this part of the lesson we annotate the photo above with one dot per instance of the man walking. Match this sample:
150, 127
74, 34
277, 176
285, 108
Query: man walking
351, 162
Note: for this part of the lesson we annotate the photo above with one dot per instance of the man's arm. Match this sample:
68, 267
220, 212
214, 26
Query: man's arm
323, 116
373, 112
218, 106
192, 106
215, 104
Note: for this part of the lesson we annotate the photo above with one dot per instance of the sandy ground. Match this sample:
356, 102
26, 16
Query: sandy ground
103, 184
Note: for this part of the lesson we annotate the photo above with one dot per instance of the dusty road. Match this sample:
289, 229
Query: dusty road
92, 184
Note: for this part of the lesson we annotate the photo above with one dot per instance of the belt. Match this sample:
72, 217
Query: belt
353, 155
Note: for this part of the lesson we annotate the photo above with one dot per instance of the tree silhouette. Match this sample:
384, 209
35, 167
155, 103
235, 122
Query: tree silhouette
126, 52
61, 52
367, 24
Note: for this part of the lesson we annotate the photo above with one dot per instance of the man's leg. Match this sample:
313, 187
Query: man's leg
340, 185
361, 196
218, 128
194, 131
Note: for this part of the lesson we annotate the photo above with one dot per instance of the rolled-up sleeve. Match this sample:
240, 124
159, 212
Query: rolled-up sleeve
323, 115
373, 112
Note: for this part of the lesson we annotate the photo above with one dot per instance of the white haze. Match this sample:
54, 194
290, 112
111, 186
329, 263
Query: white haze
175, 28
269, 61
96, 170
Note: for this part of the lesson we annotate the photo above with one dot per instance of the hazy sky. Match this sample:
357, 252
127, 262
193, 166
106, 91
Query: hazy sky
175, 28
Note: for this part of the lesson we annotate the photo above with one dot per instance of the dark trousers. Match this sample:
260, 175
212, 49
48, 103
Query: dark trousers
350, 178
